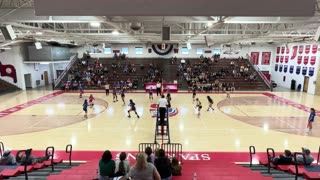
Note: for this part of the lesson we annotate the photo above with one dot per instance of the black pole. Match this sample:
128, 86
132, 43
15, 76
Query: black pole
252, 151
69, 150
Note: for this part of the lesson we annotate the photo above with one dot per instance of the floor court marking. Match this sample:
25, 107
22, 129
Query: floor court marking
28, 104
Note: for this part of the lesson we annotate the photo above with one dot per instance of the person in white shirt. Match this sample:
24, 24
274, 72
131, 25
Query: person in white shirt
162, 104
158, 88
107, 87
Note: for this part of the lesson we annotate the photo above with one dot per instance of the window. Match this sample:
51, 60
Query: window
125, 50
199, 51
139, 50
107, 50
216, 51
185, 50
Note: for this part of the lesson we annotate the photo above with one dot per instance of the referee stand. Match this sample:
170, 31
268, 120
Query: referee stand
162, 132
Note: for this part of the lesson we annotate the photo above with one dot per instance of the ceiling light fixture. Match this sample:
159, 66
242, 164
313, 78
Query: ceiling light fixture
209, 24
39, 33
115, 32
95, 24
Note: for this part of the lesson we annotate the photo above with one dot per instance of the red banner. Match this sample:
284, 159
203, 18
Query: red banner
282, 50
277, 59
300, 49
313, 60
281, 59
255, 58
287, 50
278, 50
299, 59
306, 60
307, 49
266, 58
314, 48
286, 60
294, 53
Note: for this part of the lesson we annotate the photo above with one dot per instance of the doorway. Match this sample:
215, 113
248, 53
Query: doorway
46, 78
306, 84
27, 80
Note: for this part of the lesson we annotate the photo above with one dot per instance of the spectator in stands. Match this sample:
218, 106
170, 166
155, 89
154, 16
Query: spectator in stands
143, 170
176, 167
150, 157
284, 159
122, 166
163, 165
7, 158
22, 158
106, 166
306, 158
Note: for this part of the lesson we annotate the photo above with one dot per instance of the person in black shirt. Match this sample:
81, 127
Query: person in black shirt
283, 159
163, 165
210, 101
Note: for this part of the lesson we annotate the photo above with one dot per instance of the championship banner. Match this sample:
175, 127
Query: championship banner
280, 68
286, 60
311, 71
278, 50
282, 50
285, 68
287, 50
281, 59
305, 60
294, 53
300, 49
307, 49
304, 71
314, 48
313, 60
291, 69
298, 69
277, 59
266, 58
276, 67
299, 61
255, 58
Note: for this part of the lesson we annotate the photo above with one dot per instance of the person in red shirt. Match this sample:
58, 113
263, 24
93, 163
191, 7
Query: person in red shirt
91, 101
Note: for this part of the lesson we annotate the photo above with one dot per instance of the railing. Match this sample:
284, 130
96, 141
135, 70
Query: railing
318, 156
296, 163
269, 156
69, 151
1, 149
71, 62
263, 77
143, 146
50, 154
252, 150
173, 150
27, 153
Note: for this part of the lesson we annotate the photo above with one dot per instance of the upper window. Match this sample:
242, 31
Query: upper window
199, 51
185, 50
125, 50
107, 50
139, 50
216, 51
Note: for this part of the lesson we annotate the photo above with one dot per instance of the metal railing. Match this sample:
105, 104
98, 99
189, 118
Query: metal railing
263, 77
25, 161
73, 59
318, 156
173, 150
270, 156
154, 146
69, 151
296, 163
252, 150
50, 154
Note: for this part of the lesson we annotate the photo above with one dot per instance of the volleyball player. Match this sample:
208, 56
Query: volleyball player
132, 108
198, 106
122, 95
91, 101
85, 108
150, 94
210, 101
114, 93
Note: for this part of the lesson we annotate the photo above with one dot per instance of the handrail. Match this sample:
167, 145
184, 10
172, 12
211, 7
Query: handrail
50, 154
269, 157
67, 68
174, 150
296, 164
252, 151
27, 153
69, 151
1, 149
143, 146
318, 156
263, 77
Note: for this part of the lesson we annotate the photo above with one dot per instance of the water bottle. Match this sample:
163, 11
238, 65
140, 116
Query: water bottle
194, 176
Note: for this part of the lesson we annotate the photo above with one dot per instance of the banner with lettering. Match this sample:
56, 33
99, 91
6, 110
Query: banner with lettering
277, 59
282, 50
305, 60
304, 71
266, 58
314, 48
311, 71
307, 49
286, 60
300, 49
278, 50
299, 61
294, 52
298, 70
276, 67
255, 58
285, 68
313, 60
280, 68
281, 59
291, 69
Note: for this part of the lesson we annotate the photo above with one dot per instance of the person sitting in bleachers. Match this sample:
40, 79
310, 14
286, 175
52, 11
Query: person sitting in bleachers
163, 165
306, 158
176, 167
149, 155
7, 158
284, 159
106, 166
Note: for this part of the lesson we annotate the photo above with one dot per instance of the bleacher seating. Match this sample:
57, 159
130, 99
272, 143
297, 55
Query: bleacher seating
6, 87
